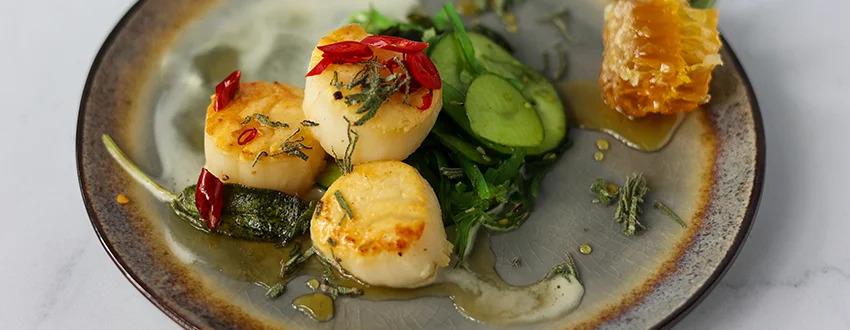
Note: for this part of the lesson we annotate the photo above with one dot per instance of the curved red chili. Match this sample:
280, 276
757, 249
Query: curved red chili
247, 135
423, 70
226, 90
395, 44
320, 67
427, 99
346, 49
209, 198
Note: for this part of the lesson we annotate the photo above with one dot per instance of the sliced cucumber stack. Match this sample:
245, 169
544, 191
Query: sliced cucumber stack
487, 104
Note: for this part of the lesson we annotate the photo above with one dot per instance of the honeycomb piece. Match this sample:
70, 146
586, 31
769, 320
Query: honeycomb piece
659, 55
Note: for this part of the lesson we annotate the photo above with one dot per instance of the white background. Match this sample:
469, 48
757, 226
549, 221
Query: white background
793, 273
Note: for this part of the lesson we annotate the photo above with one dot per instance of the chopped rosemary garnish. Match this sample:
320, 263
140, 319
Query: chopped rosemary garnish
669, 212
265, 121
605, 192
375, 89
334, 290
291, 146
309, 123
343, 204
452, 172
295, 146
345, 163
276, 290
630, 203
296, 257
335, 81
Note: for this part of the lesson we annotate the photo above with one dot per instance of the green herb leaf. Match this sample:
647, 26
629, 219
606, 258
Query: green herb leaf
658, 205
297, 256
375, 90
605, 192
630, 205
343, 204
276, 290
295, 146
251, 213
345, 163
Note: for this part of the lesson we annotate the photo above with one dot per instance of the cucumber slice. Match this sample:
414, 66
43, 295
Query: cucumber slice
497, 60
498, 112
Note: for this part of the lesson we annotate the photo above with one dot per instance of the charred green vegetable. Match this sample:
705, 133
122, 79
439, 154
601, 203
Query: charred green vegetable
248, 213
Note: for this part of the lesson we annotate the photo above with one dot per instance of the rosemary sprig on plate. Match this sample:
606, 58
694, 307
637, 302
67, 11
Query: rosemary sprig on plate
629, 207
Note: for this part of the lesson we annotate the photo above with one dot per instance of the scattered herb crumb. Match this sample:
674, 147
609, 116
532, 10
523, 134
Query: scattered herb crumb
343, 204
264, 121
658, 205
122, 199
309, 123
605, 192
276, 290
629, 206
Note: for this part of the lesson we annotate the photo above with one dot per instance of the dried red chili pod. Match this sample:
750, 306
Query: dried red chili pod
247, 135
346, 49
395, 44
320, 67
226, 90
423, 70
209, 198
427, 99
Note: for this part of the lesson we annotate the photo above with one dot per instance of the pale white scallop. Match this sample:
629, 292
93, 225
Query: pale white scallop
235, 163
394, 133
395, 236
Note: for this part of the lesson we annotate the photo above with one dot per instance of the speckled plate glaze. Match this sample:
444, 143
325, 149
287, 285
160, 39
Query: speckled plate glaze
151, 80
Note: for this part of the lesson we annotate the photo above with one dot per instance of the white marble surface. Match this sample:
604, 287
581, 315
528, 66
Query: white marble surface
793, 273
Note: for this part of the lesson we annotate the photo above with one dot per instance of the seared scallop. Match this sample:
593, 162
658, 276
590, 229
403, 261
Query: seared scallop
399, 125
382, 224
260, 140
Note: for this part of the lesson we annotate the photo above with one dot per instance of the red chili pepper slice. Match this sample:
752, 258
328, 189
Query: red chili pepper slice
346, 49
209, 198
226, 90
423, 70
346, 59
427, 99
395, 44
320, 67
247, 135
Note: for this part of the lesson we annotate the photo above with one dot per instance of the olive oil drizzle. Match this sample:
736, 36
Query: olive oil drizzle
587, 111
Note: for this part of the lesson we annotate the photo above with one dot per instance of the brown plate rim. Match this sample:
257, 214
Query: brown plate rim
666, 323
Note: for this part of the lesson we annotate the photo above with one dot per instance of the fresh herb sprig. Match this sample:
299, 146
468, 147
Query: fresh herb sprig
345, 162
630, 204
375, 89
264, 120
293, 146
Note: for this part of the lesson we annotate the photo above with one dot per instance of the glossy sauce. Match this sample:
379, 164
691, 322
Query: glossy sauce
588, 111
471, 287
